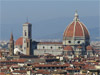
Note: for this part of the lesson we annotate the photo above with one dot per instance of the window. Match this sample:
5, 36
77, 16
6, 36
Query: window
43, 47
51, 47
25, 32
69, 41
48, 67
29, 34
78, 42
27, 44
59, 47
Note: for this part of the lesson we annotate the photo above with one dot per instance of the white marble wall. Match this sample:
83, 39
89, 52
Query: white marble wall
42, 52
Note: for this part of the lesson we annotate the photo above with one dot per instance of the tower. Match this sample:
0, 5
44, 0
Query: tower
27, 38
11, 45
76, 34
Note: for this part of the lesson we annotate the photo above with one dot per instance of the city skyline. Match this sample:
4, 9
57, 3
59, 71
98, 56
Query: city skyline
49, 37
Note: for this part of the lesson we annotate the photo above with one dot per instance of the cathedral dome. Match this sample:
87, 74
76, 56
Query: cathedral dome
76, 29
69, 48
19, 41
89, 48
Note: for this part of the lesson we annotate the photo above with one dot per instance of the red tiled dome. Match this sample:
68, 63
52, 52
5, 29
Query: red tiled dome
76, 29
89, 48
68, 48
19, 41
79, 47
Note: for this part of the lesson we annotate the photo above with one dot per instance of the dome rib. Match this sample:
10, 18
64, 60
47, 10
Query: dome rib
82, 29
74, 29
67, 29
86, 32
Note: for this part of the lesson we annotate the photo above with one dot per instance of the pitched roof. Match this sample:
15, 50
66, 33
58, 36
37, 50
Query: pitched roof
68, 48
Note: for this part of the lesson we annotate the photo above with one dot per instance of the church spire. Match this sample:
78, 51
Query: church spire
11, 38
76, 17
11, 45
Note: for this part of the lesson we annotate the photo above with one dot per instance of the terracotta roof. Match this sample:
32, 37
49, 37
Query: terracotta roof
69, 30
76, 29
15, 60
89, 48
69, 48
51, 65
19, 41
19, 71
18, 60
79, 47
2, 73
85, 31
69, 68
43, 72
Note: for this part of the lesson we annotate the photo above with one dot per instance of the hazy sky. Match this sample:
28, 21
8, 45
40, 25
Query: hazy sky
13, 14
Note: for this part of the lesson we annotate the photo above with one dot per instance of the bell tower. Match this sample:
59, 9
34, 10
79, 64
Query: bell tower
27, 34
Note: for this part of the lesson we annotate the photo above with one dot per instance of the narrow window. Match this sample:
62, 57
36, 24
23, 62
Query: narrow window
51, 47
24, 41
59, 47
27, 44
25, 32
69, 41
43, 47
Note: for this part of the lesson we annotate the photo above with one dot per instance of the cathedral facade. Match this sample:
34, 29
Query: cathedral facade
76, 41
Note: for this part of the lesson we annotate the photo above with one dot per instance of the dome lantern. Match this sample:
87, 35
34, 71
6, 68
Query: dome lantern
76, 16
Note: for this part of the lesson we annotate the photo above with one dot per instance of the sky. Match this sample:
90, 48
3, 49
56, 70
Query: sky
48, 17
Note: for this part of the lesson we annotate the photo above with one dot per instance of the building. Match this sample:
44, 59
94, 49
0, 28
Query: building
76, 40
11, 45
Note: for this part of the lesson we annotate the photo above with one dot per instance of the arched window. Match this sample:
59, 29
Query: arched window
25, 33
